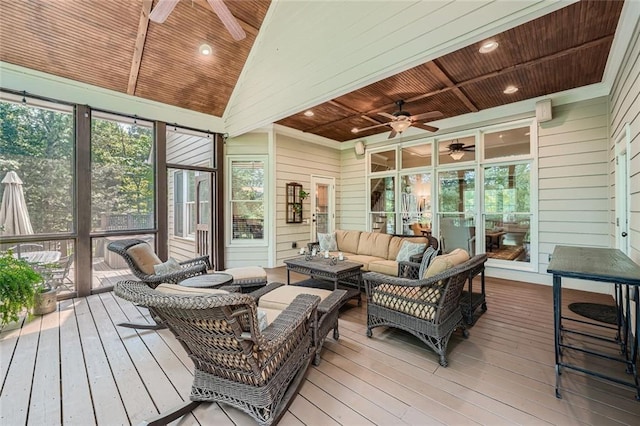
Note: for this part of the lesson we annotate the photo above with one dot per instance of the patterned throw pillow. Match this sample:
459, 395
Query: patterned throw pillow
427, 257
408, 249
171, 265
328, 241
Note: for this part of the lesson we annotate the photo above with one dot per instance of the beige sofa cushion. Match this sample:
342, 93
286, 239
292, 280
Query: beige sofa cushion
446, 261
365, 260
387, 267
373, 244
399, 298
144, 257
188, 291
396, 243
282, 297
348, 240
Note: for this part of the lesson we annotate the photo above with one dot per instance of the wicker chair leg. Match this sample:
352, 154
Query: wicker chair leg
174, 414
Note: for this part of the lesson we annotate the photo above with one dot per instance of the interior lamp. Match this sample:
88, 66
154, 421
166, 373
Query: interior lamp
400, 125
457, 155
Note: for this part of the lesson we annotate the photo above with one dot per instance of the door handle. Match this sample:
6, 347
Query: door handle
624, 234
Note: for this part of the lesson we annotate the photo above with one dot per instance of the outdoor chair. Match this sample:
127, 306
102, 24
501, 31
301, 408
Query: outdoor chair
57, 274
237, 363
428, 308
141, 260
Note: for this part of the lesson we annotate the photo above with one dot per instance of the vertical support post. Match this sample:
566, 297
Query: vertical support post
162, 208
83, 197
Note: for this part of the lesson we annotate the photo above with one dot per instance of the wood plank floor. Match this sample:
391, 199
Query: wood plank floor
76, 367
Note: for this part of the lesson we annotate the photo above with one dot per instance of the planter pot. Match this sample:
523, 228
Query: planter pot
45, 302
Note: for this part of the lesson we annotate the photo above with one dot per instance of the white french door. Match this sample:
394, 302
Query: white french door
622, 191
322, 205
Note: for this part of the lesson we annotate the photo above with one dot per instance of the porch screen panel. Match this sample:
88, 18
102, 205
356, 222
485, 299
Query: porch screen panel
122, 174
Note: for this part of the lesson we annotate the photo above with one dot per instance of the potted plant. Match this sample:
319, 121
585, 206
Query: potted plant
18, 287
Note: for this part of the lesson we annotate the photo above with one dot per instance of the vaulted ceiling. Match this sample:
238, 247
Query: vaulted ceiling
346, 61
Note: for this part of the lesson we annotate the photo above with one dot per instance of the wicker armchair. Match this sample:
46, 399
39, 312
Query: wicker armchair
258, 372
190, 268
427, 308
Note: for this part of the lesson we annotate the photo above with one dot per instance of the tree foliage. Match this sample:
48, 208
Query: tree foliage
39, 145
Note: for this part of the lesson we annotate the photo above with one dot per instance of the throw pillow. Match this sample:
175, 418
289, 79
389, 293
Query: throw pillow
328, 241
168, 267
408, 249
427, 257
262, 320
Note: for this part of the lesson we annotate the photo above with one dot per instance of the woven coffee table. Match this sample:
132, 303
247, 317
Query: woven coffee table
320, 268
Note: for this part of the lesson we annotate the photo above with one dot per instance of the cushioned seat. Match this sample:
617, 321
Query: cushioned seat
249, 278
273, 302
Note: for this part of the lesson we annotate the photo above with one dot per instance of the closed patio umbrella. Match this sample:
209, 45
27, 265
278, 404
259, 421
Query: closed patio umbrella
14, 217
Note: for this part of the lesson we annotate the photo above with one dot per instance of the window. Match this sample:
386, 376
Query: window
507, 143
415, 202
383, 204
247, 201
507, 211
184, 202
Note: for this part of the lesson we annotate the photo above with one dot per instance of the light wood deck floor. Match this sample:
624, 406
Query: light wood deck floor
76, 367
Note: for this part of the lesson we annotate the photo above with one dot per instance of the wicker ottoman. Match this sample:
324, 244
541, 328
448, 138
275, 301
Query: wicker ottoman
273, 302
249, 278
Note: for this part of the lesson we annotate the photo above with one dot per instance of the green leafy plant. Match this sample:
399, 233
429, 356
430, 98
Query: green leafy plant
18, 286
303, 194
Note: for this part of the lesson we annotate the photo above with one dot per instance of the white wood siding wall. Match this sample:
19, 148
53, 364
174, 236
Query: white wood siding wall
296, 161
352, 192
235, 256
573, 181
625, 108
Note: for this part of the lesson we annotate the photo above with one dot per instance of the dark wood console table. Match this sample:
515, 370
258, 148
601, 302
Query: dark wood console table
607, 266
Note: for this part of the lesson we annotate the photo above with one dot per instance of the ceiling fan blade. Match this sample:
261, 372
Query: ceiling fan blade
469, 148
426, 115
425, 127
372, 127
387, 115
392, 134
162, 10
229, 21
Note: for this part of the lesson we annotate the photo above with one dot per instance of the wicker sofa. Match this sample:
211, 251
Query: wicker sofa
377, 252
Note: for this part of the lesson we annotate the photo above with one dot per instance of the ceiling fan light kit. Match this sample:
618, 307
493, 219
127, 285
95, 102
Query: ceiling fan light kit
457, 155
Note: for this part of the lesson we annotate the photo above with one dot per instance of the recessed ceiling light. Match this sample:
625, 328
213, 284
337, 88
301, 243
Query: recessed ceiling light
500, 136
527, 133
308, 113
488, 46
205, 49
510, 89
355, 130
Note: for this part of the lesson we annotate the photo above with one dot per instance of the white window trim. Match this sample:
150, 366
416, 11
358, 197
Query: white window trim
264, 242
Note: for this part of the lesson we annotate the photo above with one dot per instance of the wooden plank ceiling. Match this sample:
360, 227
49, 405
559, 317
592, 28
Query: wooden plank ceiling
112, 44
104, 43
559, 51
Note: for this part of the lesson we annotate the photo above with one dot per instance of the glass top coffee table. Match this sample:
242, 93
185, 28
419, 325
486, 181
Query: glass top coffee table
321, 269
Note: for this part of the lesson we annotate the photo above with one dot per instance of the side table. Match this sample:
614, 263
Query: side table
214, 280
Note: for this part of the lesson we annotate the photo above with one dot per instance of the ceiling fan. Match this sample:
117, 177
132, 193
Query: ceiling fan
402, 120
162, 10
457, 149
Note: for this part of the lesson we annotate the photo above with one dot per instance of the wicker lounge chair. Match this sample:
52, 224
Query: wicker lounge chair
427, 308
258, 372
145, 273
